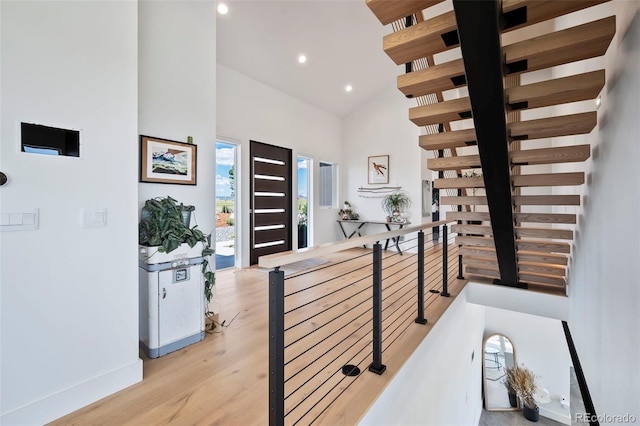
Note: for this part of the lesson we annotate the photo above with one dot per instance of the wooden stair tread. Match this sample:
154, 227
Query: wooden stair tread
554, 155
562, 154
448, 140
526, 245
441, 112
573, 44
551, 127
539, 11
424, 39
574, 88
463, 182
548, 179
519, 200
519, 217
577, 43
388, 11
547, 233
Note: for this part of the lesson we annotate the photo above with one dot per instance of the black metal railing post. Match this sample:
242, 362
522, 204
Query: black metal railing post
276, 347
421, 319
460, 275
445, 261
377, 366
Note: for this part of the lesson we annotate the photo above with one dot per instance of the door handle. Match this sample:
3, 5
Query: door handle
164, 293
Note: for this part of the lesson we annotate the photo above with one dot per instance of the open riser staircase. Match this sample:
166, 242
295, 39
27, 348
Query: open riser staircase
507, 228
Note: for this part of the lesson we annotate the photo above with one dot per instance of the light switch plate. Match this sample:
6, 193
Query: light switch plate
93, 218
19, 220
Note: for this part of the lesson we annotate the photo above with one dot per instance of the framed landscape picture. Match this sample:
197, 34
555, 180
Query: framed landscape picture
165, 161
378, 169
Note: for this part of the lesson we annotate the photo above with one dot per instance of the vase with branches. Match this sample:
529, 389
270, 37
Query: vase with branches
523, 382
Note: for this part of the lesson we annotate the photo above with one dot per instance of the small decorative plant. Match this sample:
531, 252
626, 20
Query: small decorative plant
165, 223
347, 213
396, 203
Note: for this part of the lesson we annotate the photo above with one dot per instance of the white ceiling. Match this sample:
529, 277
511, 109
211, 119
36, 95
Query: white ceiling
342, 40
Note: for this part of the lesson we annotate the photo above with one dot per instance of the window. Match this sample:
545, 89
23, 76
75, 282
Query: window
327, 184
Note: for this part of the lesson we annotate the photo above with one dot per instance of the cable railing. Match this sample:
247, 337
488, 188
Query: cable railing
334, 322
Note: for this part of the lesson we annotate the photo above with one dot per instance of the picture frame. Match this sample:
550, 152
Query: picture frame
167, 161
378, 169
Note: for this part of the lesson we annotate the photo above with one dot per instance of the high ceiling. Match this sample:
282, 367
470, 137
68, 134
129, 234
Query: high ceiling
342, 40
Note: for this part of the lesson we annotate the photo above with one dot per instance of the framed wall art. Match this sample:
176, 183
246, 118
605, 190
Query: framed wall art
378, 169
166, 161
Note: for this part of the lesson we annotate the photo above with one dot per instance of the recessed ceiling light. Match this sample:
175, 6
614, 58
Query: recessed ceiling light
598, 102
223, 8
348, 88
302, 59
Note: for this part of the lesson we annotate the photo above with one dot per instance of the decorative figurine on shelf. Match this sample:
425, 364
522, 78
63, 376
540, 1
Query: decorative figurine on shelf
346, 213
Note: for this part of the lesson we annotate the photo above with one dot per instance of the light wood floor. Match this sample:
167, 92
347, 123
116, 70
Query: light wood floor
223, 380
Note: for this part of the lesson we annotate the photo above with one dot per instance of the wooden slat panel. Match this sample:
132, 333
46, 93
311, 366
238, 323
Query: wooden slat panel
566, 125
448, 140
266, 219
545, 218
484, 252
573, 44
543, 246
388, 11
421, 40
441, 112
519, 217
434, 79
454, 183
270, 235
549, 179
269, 169
475, 241
541, 268
464, 201
454, 163
530, 277
562, 154
543, 10
550, 258
558, 91
546, 200
552, 233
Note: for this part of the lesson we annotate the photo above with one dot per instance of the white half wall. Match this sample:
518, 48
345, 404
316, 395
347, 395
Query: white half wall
69, 295
440, 384
250, 110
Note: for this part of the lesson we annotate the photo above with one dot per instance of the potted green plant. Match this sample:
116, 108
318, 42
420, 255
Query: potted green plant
165, 224
523, 382
395, 204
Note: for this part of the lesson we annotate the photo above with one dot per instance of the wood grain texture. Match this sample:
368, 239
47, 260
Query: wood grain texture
445, 111
543, 10
547, 200
388, 11
549, 179
431, 80
554, 155
552, 127
448, 140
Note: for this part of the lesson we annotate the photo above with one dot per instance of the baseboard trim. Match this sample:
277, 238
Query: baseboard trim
69, 400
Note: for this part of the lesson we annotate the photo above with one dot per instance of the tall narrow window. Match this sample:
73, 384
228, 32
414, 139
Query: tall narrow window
304, 207
327, 184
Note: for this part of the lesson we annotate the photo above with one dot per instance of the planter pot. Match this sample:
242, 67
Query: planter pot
151, 255
529, 414
513, 399
302, 236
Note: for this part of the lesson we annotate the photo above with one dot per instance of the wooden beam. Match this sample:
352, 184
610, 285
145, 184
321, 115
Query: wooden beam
547, 200
437, 78
535, 11
550, 258
521, 232
543, 246
452, 163
519, 217
462, 201
455, 183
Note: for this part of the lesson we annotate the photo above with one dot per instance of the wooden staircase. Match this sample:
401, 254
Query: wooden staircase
423, 29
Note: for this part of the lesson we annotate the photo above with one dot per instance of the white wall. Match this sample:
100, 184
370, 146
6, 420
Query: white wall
177, 79
541, 346
177, 96
604, 289
440, 384
249, 110
381, 126
69, 310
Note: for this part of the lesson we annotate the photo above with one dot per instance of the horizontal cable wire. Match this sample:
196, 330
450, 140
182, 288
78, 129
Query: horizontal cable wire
330, 279
325, 267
